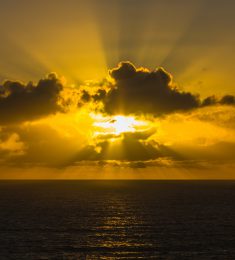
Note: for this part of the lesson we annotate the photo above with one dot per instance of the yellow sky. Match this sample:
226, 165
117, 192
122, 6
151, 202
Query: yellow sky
193, 39
93, 117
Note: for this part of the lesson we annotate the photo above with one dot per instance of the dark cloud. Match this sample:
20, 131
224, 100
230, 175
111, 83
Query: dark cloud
137, 165
141, 90
213, 100
100, 95
130, 90
21, 102
227, 100
85, 96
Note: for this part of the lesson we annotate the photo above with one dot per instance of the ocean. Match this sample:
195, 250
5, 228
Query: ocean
117, 220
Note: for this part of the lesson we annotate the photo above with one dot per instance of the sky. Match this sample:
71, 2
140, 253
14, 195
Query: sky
118, 89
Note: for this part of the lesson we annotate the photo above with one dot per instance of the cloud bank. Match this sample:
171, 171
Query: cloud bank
37, 126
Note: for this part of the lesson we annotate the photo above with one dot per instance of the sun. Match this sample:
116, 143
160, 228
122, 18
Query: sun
122, 124
118, 124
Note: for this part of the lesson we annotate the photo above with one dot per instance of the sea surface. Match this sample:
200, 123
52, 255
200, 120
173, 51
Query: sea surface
117, 220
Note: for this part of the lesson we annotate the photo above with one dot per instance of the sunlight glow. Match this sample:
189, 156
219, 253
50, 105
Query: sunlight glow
118, 124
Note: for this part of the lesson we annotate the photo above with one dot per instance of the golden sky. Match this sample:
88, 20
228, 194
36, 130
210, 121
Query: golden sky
117, 89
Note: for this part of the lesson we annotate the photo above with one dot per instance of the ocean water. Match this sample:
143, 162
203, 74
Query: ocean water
117, 220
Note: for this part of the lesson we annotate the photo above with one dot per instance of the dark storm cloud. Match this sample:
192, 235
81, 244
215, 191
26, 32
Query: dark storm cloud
141, 90
20, 102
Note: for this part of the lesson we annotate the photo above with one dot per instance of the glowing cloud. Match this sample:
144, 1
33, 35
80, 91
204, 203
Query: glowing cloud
135, 118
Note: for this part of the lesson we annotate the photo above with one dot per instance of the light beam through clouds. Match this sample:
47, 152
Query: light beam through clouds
132, 86
73, 126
